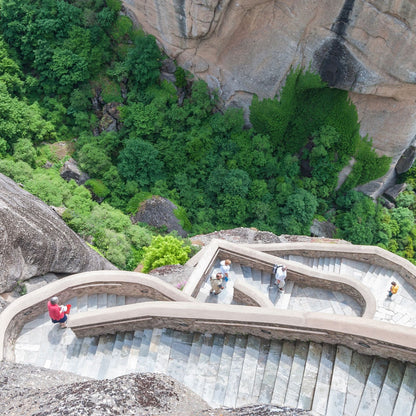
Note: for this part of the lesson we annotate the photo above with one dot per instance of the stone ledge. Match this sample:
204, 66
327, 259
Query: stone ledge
27, 307
360, 334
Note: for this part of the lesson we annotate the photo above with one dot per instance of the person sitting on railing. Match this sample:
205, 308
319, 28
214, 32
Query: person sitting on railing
216, 284
57, 312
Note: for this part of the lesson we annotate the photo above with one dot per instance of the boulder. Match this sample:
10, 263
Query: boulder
247, 47
393, 192
322, 229
159, 212
70, 170
406, 160
36, 241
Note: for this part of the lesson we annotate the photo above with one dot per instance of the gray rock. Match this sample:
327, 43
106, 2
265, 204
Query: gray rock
70, 170
322, 229
393, 192
36, 241
159, 212
30, 390
406, 160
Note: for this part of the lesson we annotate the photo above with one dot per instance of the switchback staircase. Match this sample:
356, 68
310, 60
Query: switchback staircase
232, 369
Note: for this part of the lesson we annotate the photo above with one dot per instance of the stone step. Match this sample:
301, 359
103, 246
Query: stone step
270, 371
213, 367
372, 388
237, 361
251, 359
283, 298
220, 389
235, 370
283, 373
203, 363
405, 400
297, 371
322, 387
309, 376
358, 373
339, 382
390, 389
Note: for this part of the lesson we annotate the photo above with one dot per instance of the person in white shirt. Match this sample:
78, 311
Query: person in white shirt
225, 266
280, 276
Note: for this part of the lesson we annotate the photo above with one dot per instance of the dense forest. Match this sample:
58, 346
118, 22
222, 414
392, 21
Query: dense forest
60, 58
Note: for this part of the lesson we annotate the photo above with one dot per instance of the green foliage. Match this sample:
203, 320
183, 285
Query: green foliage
22, 121
138, 162
97, 188
19, 171
48, 186
143, 62
25, 152
55, 56
164, 251
368, 165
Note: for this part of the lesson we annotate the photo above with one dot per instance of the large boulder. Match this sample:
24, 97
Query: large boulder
70, 170
247, 47
159, 212
35, 240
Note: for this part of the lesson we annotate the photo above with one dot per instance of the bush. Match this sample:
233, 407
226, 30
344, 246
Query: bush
165, 251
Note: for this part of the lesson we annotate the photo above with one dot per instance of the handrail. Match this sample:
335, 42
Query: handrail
360, 334
263, 261
366, 254
27, 307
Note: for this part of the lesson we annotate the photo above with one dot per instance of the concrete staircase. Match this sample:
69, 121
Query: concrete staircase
236, 370
294, 297
399, 309
230, 370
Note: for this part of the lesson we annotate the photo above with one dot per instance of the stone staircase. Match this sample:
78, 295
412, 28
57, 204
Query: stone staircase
237, 370
294, 297
399, 310
230, 370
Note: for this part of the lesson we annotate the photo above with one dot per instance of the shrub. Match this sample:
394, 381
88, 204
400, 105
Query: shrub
165, 251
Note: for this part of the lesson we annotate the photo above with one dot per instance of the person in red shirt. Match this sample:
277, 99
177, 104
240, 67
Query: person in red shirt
57, 312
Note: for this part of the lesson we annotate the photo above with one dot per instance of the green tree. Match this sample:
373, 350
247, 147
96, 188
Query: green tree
138, 161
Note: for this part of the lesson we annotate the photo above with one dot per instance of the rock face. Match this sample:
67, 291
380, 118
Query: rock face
35, 240
247, 47
159, 212
28, 390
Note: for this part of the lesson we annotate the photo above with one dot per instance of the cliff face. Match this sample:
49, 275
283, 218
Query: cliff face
35, 240
242, 47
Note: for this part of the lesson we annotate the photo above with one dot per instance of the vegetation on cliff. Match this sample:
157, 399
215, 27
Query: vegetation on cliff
63, 62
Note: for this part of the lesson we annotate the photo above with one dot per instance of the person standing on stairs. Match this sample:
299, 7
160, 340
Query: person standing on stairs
57, 312
280, 274
393, 289
225, 266
216, 284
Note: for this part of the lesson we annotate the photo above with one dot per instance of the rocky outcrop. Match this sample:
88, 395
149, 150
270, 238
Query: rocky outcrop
159, 212
29, 390
247, 47
35, 240
70, 170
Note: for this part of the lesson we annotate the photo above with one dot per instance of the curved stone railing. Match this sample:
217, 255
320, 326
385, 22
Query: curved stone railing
362, 335
27, 307
366, 254
176, 309
245, 294
249, 256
